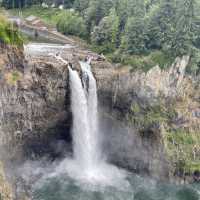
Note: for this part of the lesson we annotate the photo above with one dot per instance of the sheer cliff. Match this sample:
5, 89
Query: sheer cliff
150, 121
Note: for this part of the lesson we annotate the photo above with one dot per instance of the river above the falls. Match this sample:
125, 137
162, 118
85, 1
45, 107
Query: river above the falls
44, 49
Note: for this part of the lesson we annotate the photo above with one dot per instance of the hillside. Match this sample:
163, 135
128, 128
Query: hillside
135, 33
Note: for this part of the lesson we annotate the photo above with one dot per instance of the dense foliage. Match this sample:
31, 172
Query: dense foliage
132, 27
71, 23
9, 34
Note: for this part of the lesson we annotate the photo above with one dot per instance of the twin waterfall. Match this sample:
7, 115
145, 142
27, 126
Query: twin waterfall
85, 117
87, 165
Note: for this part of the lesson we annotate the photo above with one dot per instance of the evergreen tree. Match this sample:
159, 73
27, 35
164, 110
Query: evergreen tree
134, 39
81, 5
68, 3
13, 3
185, 28
136, 8
121, 9
96, 11
162, 26
171, 27
106, 33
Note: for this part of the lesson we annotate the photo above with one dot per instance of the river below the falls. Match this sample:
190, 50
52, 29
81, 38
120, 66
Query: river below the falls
65, 188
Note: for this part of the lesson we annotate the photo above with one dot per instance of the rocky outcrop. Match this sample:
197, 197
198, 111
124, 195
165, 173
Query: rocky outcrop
147, 86
154, 106
33, 102
11, 58
35, 116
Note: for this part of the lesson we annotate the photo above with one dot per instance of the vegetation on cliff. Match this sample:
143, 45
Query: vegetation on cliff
183, 150
182, 145
9, 33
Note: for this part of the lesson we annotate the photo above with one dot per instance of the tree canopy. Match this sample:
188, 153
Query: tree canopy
134, 27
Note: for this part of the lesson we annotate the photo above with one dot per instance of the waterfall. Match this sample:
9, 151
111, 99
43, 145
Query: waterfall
81, 145
90, 89
84, 109
87, 164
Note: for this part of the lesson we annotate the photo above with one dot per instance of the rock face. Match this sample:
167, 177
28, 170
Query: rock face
35, 107
147, 86
5, 188
153, 106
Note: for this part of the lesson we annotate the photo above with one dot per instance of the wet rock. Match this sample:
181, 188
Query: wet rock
196, 176
34, 107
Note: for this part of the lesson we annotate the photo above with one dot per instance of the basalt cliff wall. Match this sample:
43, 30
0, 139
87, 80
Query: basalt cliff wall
160, 112
140, 112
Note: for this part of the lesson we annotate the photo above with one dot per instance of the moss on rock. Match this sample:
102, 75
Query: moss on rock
183, 150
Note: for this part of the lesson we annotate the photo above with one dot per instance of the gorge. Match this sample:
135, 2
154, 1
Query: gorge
37, 119
100, 100
88, 165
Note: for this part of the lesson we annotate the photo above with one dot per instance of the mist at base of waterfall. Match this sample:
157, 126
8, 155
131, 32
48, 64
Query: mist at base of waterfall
63, 187
87, 165
103, 175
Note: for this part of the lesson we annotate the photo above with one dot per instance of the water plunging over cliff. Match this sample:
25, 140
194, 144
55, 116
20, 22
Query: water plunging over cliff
75, 177
90, 89
88, 164
84, 108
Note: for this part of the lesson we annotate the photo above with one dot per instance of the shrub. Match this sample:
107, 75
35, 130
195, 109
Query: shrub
106, 33
143, 63
180, 147
151, 115
161, 59
9, 34
70, 23
13, 77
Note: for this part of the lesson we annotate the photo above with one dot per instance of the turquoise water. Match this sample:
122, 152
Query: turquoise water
64, 188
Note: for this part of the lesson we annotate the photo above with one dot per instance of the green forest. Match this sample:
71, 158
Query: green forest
141, 33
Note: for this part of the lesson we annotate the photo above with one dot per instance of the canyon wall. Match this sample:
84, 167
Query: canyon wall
139, 111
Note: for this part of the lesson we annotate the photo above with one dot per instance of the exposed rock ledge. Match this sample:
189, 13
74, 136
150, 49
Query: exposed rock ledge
147, 86
122, 92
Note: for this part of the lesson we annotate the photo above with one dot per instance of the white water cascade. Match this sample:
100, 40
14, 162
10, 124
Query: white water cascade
87, 165
90, 89
84, 108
